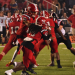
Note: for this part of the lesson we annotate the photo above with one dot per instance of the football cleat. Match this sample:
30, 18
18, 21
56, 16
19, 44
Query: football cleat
35, 65
24, 73
7, 72
15, 64
10, 63
59, 66
32, 71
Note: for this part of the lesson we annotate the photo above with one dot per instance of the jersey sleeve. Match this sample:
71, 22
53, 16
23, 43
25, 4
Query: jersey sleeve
70, 18
45, 35
61, 23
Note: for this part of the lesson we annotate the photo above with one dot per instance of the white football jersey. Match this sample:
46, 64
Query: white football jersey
62, 30
2, 22
8, 20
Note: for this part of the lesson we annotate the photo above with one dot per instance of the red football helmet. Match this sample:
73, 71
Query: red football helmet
45, 14
41, 21
25, 17
32, 8
15, 17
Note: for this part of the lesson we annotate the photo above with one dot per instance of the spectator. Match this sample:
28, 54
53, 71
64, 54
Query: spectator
2, 27
13, 5
69, 12
64, 7
65, 22
45, 5
71, 21
5, 9
55, 2
40, 7
73, 9
61, 1
0, 6
64, 16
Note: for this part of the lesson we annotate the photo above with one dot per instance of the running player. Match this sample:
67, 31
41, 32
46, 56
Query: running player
13, 27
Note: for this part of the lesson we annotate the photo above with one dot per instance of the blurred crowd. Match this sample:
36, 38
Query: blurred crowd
63, 8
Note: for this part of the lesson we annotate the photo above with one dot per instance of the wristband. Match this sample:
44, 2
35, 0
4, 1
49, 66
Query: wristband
50, 39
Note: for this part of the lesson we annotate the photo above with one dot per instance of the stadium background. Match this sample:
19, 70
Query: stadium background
56, 6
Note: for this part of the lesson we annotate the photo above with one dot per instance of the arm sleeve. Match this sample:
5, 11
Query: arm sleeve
70, 18
45, 35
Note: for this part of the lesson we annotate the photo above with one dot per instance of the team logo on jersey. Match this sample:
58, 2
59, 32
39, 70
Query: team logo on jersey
43, 21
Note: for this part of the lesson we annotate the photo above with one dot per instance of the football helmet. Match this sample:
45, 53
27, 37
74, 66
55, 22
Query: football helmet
45, 14
15, 17
40, 21
32, 10
26, 20
54, 16
25, 17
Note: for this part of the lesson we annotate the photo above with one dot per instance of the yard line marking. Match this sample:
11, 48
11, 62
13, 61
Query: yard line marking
2, 46
64, 48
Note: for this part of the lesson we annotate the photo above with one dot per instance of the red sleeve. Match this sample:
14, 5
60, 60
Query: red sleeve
20, 30
70, 18
44, 31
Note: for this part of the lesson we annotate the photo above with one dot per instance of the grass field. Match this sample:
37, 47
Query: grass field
67, 59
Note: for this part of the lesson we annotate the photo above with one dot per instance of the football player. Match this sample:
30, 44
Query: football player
13, 27
2, 27
32, 9
53, 43
36, 32
60, 39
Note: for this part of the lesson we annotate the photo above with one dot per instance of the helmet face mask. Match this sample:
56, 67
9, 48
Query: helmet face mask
26, 20
15, 17
40, 21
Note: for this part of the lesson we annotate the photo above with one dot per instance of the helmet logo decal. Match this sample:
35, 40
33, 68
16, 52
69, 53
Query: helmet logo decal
29, 8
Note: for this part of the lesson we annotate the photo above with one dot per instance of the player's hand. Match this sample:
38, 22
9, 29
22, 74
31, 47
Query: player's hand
52, 38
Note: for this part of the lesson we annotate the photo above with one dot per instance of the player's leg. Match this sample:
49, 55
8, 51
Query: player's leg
4, 35
68, 44
28, 59
13, 58
54, 49
38, 47
7, 47
5, 50
21, 66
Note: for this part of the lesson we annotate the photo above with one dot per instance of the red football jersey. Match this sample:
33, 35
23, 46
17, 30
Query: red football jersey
23, 30
52, 25
13, 27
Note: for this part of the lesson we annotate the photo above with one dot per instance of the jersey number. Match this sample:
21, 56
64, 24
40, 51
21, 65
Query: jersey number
1, 20
13, 31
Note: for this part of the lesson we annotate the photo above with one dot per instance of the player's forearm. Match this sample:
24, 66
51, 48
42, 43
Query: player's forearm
59, 32
69, 22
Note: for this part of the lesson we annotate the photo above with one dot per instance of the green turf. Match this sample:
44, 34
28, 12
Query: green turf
43, 59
